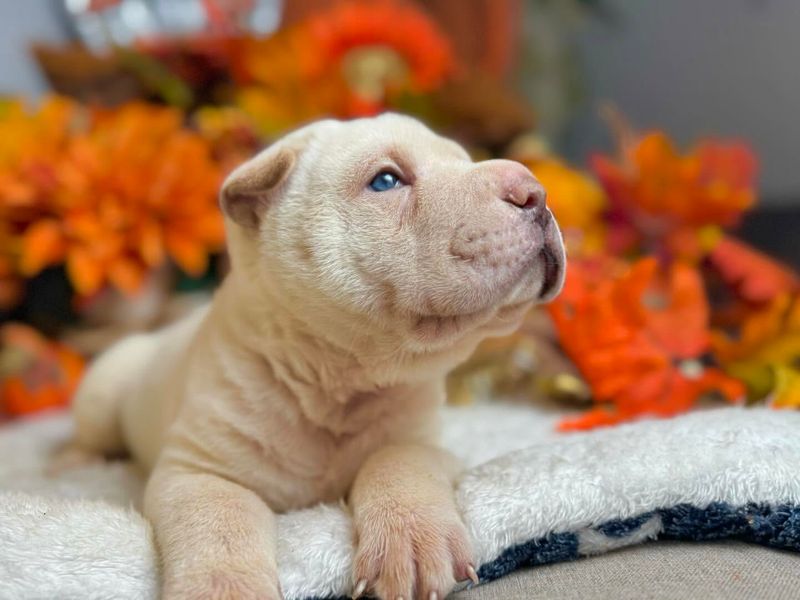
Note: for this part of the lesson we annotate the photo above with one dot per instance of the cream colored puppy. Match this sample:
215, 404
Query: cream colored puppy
369, 257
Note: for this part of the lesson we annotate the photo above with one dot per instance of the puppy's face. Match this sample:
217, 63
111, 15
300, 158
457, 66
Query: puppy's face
383, 226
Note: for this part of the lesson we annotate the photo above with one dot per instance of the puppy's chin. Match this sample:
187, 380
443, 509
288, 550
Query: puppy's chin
435, 332
430, 333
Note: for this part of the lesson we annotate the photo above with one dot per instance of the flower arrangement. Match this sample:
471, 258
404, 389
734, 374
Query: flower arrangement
104, 193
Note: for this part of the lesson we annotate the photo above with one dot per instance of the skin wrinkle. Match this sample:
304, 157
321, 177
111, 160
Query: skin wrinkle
317, 371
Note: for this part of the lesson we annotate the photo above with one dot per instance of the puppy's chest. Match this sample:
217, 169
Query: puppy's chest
306, 460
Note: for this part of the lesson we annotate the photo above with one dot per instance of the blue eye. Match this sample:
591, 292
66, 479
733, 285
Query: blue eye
384, 181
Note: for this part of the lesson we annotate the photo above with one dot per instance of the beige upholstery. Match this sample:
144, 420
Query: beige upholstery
662, 570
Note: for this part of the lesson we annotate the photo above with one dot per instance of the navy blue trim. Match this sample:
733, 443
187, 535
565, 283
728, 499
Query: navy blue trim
775, 526
624, 527
557, 547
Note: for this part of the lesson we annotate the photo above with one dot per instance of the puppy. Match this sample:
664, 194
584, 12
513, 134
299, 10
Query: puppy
369, 257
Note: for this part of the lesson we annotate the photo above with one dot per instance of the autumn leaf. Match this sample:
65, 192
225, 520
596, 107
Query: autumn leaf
765, 351
665, 201
638, 334
754, 276
786, 392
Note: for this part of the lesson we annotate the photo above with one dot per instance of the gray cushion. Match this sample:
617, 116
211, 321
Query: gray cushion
664, 570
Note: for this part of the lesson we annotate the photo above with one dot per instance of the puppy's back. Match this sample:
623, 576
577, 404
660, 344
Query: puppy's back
131, 392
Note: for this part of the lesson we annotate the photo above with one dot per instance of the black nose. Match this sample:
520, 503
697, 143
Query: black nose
527, 195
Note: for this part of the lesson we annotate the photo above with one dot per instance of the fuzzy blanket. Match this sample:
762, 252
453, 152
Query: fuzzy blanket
529, 496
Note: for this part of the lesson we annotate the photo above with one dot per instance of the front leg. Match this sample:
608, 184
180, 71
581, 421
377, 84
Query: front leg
411, 540
216, 538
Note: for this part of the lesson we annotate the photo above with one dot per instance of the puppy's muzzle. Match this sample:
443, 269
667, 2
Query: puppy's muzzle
526, 193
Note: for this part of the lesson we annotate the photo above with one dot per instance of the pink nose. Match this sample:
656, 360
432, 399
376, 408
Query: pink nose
525, 192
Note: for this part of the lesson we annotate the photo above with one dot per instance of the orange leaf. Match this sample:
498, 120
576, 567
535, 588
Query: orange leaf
630, 334
755, 276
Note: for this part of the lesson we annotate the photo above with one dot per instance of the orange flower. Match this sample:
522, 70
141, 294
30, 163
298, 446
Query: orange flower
29, 150
348, 60
637, 337
35, 374
663, 194
111, 199
29, 147
230, 133
766, 352
398, 26
577, 201
274, 90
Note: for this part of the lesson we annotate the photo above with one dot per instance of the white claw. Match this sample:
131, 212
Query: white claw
361, 586
472, 574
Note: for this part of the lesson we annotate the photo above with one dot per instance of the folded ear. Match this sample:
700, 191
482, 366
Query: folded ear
248, 191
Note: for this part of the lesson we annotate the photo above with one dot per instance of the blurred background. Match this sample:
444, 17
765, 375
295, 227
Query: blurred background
665, 134
717, 67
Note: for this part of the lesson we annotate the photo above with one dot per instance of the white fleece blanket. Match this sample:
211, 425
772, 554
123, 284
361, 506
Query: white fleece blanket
529, 496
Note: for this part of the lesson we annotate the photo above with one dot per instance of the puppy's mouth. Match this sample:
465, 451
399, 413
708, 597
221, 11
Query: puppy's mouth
552, 273
553, 261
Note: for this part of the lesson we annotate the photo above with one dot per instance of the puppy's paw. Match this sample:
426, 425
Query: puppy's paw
407, 552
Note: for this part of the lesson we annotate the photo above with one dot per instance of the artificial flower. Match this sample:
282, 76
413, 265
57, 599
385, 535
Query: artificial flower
666, 201
638, 336
30, 147
577, 202
765, 353
274, 89
420, 54
230, 132
752, 275
786, 391
347, 60
113, 195
31, 144
35, 373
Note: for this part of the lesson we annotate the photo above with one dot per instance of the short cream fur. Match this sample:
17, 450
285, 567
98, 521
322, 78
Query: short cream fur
317, 371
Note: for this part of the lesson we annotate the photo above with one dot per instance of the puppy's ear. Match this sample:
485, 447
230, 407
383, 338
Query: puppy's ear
248, 191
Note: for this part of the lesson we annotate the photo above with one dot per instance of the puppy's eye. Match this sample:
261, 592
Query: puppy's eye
384, 181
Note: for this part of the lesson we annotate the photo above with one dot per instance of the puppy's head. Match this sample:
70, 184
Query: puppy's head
379, 226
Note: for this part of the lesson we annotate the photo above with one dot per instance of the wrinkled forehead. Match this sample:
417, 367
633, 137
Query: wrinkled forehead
388, 137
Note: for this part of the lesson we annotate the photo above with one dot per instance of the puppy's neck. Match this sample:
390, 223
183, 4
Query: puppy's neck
303, 359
